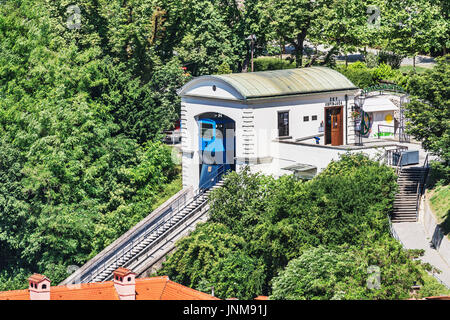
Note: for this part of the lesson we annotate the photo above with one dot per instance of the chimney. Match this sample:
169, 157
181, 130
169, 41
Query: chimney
125, 284
39, 287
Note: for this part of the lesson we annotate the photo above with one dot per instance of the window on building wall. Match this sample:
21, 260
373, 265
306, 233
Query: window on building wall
306, 118
313, 118
283, 123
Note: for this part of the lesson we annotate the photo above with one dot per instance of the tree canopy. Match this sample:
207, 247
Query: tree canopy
299, 240
428, 112
79, 123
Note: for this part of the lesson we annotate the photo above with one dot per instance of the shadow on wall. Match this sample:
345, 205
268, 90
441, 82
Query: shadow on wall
438, 235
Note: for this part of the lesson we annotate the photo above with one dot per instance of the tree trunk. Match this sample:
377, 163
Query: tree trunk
245, 64
329, 54
299, 48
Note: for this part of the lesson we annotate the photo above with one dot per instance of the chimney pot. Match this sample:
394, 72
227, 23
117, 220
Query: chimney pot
39, 288
125, 284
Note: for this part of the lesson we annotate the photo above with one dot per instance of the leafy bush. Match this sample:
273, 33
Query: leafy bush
371, 60
363, 76
358, 73
214, 256
267, 63
346, 272
224, 68
392, 59
278, 220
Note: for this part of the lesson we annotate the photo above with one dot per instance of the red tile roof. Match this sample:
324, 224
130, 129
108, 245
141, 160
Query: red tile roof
438, 298
156, 288
165, 289
15, 295
262, 298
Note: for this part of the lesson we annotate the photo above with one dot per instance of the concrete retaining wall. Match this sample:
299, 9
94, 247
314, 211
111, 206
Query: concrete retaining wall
433, 231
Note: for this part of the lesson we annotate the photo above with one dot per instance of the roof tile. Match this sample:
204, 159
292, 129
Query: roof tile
155, 288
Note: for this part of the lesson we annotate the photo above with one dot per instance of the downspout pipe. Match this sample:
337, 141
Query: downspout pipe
346, 119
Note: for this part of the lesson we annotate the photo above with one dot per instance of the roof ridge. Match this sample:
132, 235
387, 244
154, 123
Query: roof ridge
164, 288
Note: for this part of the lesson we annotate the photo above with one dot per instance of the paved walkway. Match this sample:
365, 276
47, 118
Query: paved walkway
413, 236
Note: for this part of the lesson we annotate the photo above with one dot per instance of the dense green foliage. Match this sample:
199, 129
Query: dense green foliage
337, 221
428, 112
344, 273
398, 27
363, 76
79, 119
268, 63
213, 256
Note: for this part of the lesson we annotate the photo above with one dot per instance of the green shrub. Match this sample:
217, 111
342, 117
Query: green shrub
358, 73
224, 68
345, 272
364, 77
282, 218
392, 59
268, 63
371, 60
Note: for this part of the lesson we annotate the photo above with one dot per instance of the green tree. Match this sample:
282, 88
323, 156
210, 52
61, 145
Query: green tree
75, 171
378, 270
292, 21
314, 275
411, 27
428, 112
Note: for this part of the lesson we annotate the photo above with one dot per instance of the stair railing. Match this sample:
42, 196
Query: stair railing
421, 185
389, 156
398, 169
150, 228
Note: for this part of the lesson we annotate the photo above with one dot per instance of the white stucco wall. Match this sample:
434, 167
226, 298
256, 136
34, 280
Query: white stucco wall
256, 124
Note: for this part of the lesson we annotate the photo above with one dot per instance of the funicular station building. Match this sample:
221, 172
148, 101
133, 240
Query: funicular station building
283, 122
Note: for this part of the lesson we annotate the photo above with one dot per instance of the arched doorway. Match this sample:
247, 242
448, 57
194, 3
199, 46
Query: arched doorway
216, 147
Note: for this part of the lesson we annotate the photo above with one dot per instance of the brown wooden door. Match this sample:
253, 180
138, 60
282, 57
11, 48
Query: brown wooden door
337, 131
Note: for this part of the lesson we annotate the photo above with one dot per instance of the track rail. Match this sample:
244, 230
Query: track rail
142, 240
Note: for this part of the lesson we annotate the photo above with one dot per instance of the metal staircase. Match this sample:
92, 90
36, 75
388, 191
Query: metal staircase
150, 235
411, 183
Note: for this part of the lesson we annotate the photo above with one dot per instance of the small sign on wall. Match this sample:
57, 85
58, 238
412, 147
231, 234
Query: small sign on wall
334, 101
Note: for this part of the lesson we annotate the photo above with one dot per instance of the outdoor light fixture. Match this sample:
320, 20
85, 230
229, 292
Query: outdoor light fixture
359, 101
252, 39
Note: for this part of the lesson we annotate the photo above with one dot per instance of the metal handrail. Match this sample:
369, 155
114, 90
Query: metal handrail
199, 193
399, 164
418, 201
124, 251
131, 245
145, 230
421, 185
165, 218
389, 155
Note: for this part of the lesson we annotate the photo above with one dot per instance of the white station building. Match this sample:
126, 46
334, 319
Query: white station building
277, 122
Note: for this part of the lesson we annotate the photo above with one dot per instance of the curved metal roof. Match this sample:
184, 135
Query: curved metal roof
286, 82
